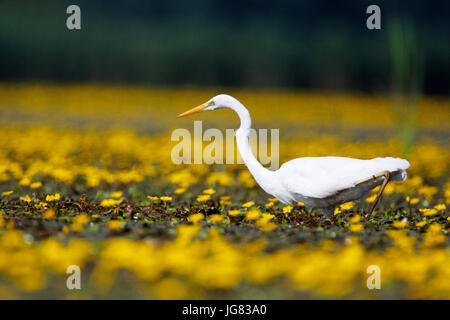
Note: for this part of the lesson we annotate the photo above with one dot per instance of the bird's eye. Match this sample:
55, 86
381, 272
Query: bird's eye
211, 103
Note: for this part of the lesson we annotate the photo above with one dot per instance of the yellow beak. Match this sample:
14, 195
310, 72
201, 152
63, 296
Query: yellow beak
194, 110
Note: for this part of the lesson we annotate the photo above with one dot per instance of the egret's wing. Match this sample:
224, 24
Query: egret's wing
322, 177
316, 178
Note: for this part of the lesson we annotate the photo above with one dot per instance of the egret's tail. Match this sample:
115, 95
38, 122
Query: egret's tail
399, 175
397, 168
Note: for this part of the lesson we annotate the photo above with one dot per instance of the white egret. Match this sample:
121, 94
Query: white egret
318, 182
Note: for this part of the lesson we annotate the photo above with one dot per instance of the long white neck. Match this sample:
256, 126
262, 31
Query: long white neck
260, 173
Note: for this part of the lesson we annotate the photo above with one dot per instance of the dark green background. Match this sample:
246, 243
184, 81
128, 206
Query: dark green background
293, 44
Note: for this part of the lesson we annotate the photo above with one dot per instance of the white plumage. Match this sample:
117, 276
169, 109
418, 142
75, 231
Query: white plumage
323, 177
318, 182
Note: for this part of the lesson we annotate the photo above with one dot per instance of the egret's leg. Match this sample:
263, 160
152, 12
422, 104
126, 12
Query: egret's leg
387, 176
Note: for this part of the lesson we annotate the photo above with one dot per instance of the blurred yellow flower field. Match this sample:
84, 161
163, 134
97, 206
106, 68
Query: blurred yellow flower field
86, 179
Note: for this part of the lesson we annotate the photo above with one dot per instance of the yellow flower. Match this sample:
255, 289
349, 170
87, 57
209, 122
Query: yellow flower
115, 224
166, 198
179, 190
216, 218
248, 204
440, 206
355, 228
77, 227
170, 289
371, 198
269, 227
355, 219
400, 224
428, 212
209, 191
234, 213
225, 202
434, 235
49, 214
116, 194
246, 179
195, 218
7, 193
421, 224
273, 200
25, 182
36, 185
222, 178
269, 205
287, 209
187, 232
337, 211
10, 225
347, 205
50, 197
26, 198
427, 191
65, 230
203, 197
412, 201
253, 214
152, 198
300, 204
265, 219
41, 205
183, 178
82, 219
110, 202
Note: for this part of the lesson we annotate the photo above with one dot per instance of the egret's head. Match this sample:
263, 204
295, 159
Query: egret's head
218, 102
